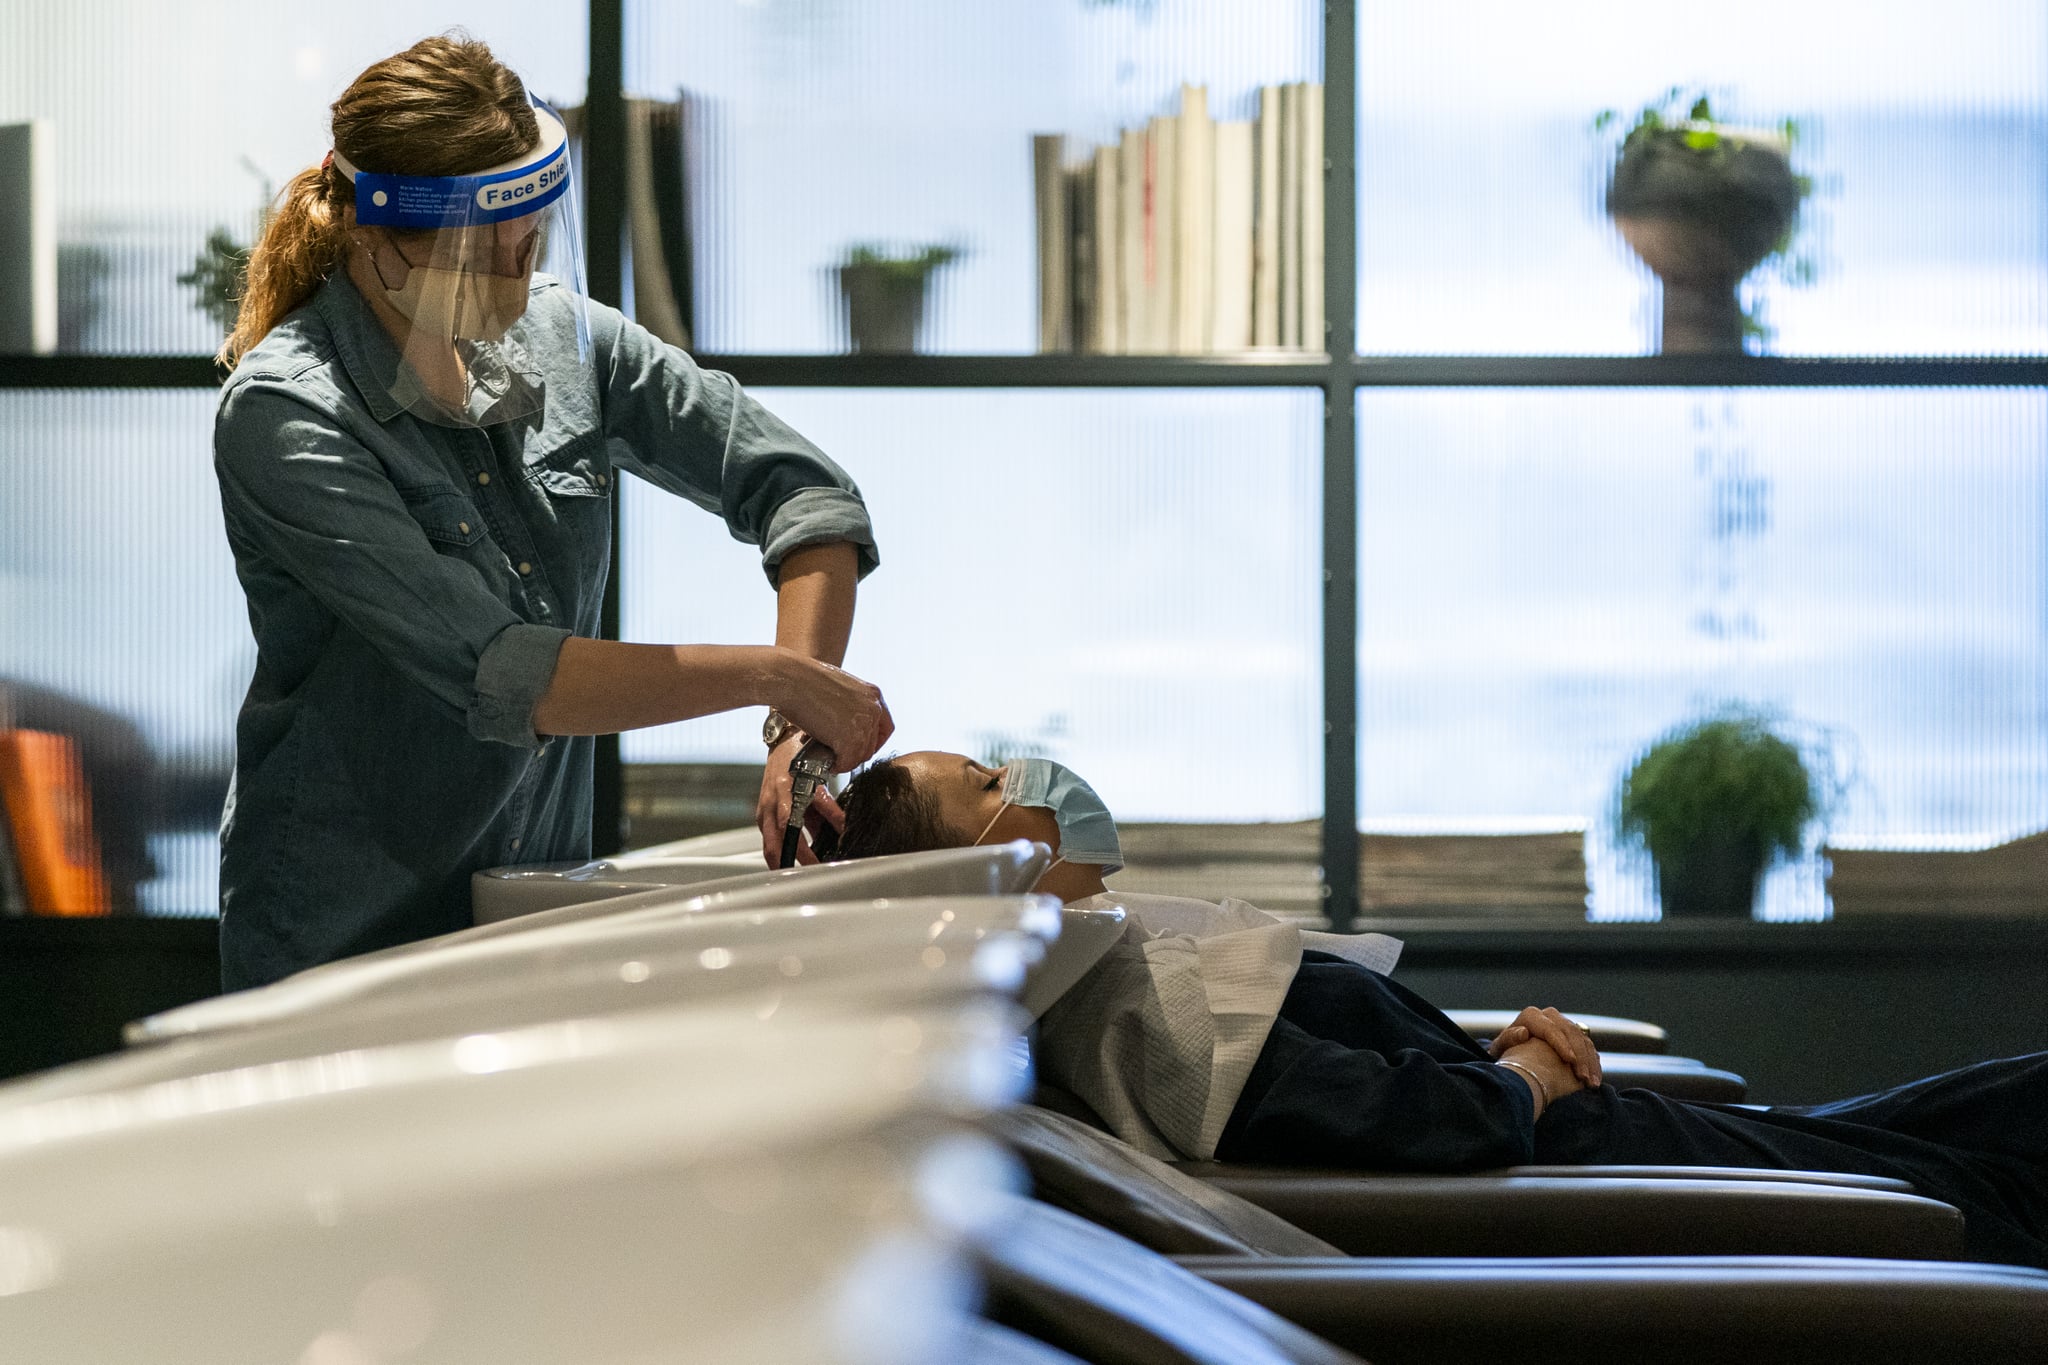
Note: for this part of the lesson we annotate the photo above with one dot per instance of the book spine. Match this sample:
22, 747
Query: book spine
1109, 302
1194, 215
1231, 284
49, 812
1266, 233
1081, 255
1164, 275
1312, 330
1290, 215
1132, 224
1050, 195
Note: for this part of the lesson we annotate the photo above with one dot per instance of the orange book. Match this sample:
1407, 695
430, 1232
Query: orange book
49, 810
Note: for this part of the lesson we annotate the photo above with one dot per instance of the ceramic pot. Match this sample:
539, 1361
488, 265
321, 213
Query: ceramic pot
884, 309
1716, 878
1701, 222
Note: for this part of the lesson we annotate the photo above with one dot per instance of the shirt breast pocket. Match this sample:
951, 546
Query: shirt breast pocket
576, 470
448, 517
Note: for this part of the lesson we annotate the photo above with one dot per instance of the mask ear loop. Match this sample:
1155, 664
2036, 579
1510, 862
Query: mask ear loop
990, 825
1058, 858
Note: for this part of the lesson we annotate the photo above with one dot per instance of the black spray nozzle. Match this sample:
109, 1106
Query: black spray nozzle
812, 765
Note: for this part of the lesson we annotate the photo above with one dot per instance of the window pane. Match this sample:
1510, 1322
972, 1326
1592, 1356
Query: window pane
1551, 579
122, 625
822, 124
1128, 579
1480, 180
172, 120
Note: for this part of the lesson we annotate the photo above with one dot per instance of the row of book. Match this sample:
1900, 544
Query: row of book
49, 855
1190, 235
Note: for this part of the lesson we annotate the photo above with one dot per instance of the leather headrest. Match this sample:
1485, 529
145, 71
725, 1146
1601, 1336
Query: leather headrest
1111, 1183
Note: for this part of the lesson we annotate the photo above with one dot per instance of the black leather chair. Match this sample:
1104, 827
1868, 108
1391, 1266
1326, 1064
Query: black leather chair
1107, 1181
1101, 1298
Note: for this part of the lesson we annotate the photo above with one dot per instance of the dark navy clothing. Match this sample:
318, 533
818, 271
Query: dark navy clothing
1361, 1072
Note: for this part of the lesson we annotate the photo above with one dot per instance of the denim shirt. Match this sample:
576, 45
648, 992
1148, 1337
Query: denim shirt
410, 586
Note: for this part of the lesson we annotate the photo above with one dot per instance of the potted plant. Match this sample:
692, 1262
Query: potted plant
1703, 203
884, 291
1714, 801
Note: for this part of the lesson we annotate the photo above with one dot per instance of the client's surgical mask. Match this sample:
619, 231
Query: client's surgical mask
1087, 830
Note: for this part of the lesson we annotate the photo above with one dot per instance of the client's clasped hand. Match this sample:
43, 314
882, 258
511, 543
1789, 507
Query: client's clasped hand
1550, 1052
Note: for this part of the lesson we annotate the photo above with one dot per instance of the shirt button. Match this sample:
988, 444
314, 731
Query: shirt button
524, 567
515, 845
462, 526
600, 481
483, 478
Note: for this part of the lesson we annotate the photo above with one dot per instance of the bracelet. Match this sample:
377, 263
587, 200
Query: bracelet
1541, 1088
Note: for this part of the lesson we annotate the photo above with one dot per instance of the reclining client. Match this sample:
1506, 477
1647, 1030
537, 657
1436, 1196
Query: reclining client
1215, 1030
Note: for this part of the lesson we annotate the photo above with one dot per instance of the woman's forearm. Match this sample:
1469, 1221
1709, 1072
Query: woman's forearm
814, 599
601, 687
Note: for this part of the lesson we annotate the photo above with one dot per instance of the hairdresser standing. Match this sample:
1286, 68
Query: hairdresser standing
417, 453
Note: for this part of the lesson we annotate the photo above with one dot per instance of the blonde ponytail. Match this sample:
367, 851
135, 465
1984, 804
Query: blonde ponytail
302, 243
444, 106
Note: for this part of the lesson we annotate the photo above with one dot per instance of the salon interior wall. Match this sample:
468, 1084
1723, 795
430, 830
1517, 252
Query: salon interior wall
832, 122
1126, 580
174, 119
1481, 178
123, 624
1553, 578
120, 618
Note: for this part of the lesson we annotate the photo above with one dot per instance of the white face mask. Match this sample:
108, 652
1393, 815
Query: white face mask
460, 305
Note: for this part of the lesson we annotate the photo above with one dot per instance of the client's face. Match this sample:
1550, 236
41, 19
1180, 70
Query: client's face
969, 794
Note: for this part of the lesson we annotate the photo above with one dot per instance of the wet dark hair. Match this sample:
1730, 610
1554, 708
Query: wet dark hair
886, 813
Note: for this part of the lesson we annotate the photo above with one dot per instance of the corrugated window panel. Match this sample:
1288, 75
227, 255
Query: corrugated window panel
1480, 179
1129, 578
822, 123
122, 624
1550, 579
172, 120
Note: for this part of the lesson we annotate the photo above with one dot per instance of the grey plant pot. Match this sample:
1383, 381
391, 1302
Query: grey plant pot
884, 311
1701, 226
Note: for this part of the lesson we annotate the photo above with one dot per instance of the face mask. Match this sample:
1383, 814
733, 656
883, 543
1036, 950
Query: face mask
1087, 830
460, 305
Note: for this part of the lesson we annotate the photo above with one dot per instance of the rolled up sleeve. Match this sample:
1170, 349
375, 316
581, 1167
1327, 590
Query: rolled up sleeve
699, 435
512, 674
304, 499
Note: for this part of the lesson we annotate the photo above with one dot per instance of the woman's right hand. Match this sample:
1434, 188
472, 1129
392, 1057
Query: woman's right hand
832, 705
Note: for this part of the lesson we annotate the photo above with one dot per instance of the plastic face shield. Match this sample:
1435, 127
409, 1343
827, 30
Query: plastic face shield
457, 259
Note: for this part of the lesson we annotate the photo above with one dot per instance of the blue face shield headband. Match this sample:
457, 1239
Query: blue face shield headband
1087, 830
465, 269
513, 189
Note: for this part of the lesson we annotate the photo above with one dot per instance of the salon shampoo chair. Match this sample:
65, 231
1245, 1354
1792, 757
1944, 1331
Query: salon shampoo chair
1099, 1297
1619, 1211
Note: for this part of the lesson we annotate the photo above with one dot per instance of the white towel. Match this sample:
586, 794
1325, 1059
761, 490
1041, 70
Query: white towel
1161, 1036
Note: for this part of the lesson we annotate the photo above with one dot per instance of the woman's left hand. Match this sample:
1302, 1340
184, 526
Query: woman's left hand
771, 812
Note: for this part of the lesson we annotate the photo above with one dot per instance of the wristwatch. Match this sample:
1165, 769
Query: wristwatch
776, 728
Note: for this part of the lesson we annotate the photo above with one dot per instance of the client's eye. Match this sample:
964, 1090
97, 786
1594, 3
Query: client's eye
995, 781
